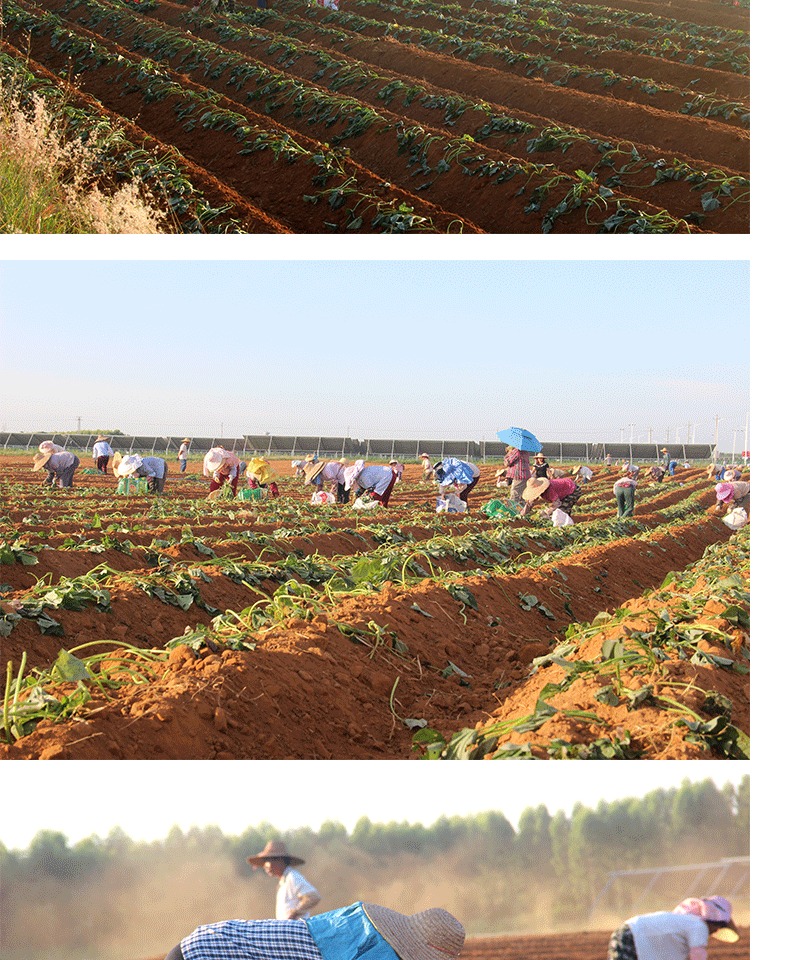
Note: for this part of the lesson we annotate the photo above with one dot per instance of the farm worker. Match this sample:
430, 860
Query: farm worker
501, 479
541, 465
713, 471
295, 896
679, 934
183, 453
561, 494
624, 490
427, 467
458, 473
133, 465
731, 494
731, 473
331, 473
397, 466
102, 451
518, 470
378, 481
583, 474
631, 468
361, 929
60, 467
657, 473
673, 465
257, 474
222, 466
665, 456
608, 460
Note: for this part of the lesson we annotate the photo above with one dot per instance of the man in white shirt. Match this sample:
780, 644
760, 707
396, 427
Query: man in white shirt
296, 896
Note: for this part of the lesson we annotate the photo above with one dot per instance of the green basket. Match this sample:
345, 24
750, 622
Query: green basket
498, 509
132, 486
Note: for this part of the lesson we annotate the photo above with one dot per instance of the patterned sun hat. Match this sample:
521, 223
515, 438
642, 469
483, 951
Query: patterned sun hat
128, 465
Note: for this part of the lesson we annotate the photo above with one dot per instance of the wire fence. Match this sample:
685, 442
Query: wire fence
293, 447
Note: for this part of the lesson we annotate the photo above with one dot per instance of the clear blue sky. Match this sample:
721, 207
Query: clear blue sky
293, 793
573, 350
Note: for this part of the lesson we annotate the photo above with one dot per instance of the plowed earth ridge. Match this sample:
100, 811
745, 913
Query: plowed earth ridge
399, 117
364, 624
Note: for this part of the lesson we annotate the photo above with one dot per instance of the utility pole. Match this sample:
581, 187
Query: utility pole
716, 437
79, 424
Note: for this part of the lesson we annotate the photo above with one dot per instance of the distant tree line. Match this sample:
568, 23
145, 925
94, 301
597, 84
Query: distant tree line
549, 864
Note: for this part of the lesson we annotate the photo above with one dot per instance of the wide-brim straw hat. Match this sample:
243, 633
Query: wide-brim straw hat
187, 440
40, 460
100, 438
274, 850
116, 459
312, 470
536, 486
433, 934
128, 465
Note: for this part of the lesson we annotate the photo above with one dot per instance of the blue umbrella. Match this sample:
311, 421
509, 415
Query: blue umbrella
520, 439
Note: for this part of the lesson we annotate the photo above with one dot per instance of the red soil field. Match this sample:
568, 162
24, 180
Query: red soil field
584, 945
390, 117
340, 682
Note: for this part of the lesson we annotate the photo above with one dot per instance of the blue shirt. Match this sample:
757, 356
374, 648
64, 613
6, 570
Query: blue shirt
348, 934
456, 471
152, 467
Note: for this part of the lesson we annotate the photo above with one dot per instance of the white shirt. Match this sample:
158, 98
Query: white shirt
101, 449
667, 936
292, 885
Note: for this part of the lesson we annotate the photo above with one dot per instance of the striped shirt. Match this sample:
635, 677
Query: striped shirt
517, 463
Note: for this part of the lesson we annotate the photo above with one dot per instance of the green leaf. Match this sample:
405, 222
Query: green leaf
70, 668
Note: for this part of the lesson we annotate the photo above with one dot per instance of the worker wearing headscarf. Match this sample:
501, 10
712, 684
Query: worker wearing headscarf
679, 934
452, 472
133, 465
222, 466
378, 481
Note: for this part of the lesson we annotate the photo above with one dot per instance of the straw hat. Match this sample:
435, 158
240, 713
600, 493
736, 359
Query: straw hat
100, 438
540, 456
729, 475
274, 850
116, 459
433, 934
40, 460
312, 470
187, 440
128, 465
534, 488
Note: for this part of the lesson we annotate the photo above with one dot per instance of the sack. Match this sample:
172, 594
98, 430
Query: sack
736, 518
365, 503
561, 519
321, 497
498, 509
450, 504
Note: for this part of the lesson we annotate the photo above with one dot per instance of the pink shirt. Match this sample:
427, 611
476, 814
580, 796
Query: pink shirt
559, 489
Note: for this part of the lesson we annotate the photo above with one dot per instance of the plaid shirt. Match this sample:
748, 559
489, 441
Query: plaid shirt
251, 940
517, 463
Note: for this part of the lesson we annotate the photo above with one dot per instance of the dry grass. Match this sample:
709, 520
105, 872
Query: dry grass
48, 182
